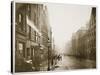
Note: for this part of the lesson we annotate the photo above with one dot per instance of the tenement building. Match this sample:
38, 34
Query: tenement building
84, 40
91, 35
33, 37
78, 43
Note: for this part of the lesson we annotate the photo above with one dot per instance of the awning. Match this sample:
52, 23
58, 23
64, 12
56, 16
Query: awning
30, 23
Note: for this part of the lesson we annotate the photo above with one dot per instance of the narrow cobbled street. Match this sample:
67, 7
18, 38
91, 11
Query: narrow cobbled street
70, 62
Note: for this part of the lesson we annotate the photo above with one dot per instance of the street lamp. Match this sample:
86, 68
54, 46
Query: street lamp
48, 54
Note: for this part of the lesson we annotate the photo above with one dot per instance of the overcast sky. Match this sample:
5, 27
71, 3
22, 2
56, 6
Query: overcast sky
66, 19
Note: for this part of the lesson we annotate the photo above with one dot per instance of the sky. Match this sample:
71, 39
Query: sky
66, 19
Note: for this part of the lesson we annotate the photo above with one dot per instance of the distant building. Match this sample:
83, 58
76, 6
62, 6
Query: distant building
78, 42
84, 40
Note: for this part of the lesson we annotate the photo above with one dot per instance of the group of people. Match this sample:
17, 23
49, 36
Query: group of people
57, 57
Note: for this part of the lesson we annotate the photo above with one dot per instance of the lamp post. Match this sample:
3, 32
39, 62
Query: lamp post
48, 54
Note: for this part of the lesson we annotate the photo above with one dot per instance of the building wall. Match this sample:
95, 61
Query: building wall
91, 47
20, 36
78, 43
84, 40
32, 34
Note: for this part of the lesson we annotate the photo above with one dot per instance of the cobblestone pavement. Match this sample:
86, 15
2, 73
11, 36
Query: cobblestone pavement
70, 62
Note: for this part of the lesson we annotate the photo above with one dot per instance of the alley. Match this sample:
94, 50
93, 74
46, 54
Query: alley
70, 62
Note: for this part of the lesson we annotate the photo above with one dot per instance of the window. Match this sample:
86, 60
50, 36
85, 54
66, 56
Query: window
32, 52
21, 22
20, 18
28, 8
29, 32
28, 53
20, 48
33, 35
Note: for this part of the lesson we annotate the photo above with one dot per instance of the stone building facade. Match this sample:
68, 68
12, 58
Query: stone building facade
91, 35
33, 37
84, 40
